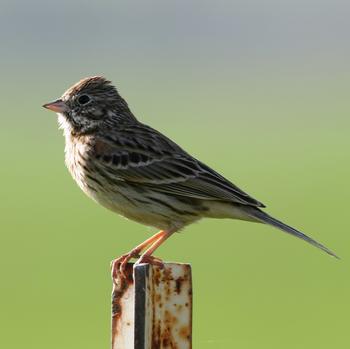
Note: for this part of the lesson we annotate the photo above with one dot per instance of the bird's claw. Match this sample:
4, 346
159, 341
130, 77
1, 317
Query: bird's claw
150, 260
119, 264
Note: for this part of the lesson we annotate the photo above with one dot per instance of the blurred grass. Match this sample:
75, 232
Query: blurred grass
286, 143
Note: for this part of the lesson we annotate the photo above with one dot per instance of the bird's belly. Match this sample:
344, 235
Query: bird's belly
139, 204
126, 201
110, 198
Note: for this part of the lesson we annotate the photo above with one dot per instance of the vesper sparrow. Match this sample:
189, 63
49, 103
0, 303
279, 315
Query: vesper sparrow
135, 171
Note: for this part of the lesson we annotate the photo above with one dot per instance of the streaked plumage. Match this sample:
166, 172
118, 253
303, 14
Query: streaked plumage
134, 170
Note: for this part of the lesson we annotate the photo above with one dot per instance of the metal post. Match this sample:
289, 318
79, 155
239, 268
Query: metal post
152, 308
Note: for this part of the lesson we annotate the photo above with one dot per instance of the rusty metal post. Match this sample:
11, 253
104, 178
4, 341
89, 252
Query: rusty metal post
123, 311
152, 309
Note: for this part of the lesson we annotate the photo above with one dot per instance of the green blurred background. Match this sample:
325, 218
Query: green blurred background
256, 89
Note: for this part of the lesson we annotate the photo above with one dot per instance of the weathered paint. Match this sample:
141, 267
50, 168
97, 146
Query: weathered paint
123, 311
157, 306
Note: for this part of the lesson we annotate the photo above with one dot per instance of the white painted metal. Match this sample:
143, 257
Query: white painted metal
155, 310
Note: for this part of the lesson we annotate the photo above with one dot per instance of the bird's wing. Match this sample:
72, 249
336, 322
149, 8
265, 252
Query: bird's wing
145, 157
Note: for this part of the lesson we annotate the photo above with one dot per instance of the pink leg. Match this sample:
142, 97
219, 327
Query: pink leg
147, 255
121, 262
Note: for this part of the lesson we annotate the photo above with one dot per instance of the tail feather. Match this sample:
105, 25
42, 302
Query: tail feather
263, 217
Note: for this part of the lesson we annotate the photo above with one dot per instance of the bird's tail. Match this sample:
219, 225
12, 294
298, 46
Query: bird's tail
263, 217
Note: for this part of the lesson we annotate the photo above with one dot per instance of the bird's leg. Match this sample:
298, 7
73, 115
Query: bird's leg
121, 262
147, 257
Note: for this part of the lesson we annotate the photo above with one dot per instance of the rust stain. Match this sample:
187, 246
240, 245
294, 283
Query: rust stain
167, 330
156, 276
156, 333
119, 289
168, 306
178, 284
185, 332
167, 274
169, 319
178, 307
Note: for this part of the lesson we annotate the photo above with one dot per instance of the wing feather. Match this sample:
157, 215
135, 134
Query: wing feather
146, 158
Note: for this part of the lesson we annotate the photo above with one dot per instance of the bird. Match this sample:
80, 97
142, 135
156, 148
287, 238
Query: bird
137, 172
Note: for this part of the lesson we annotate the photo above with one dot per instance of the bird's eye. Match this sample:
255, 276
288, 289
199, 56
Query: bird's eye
83, 99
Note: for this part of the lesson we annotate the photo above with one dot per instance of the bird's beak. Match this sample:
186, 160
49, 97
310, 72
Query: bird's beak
57, 106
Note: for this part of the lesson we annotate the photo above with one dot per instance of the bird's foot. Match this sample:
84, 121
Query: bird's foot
118, 265
150, 260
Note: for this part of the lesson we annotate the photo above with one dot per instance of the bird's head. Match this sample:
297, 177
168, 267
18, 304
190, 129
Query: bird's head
89, 105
